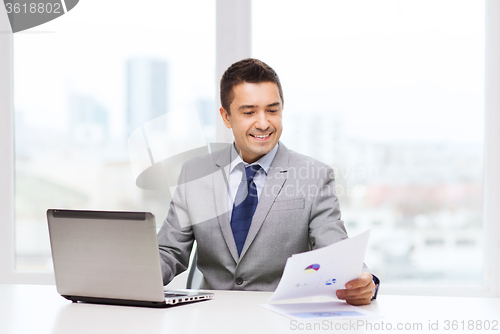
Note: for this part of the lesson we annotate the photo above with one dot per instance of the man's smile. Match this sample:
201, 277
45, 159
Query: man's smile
261, 137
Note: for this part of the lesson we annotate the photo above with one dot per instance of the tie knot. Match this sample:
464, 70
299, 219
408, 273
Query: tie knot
250, 172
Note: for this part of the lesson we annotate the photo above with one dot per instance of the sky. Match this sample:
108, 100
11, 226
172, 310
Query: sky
391, 70
85, 51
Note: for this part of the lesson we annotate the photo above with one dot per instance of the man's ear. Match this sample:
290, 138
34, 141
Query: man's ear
225, 117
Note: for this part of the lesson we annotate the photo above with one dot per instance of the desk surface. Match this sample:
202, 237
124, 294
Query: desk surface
39, 309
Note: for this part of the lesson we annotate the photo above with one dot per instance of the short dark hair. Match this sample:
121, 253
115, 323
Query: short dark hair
247, 70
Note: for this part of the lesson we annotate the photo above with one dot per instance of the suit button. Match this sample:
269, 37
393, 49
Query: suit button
239, 281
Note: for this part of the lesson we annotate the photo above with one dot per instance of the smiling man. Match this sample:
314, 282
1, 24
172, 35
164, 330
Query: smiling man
256, 118
255, 203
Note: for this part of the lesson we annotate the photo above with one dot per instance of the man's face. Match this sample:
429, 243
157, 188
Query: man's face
255, 118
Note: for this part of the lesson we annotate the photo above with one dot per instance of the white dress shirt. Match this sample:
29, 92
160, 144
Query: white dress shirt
237, 169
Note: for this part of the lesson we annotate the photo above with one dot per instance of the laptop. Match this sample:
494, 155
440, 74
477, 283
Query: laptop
110, 257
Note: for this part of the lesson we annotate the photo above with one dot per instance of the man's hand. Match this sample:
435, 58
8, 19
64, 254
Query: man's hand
358, 291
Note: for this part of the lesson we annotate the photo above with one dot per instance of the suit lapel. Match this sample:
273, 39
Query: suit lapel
275, 180
220, 179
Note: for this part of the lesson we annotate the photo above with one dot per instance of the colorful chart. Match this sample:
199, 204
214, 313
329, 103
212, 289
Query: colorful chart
312, 269
331, 281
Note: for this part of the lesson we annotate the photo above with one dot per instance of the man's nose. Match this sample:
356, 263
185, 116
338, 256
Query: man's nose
262, 123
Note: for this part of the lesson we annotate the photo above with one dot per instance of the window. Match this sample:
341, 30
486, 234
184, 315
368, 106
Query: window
390, 94
91, 82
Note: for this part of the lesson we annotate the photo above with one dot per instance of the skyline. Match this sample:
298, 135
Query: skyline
395, 88
393, 70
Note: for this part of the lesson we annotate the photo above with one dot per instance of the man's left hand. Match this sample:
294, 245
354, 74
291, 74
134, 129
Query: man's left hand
358, 291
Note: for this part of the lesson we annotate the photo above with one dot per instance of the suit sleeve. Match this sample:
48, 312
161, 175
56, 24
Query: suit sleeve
325, 222
175, 238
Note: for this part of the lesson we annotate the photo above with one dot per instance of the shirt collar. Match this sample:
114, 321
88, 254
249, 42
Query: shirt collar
264, 162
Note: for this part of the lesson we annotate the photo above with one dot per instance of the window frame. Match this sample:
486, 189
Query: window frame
233, 42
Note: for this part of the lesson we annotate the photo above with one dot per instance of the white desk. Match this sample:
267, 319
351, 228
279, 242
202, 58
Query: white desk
39, 309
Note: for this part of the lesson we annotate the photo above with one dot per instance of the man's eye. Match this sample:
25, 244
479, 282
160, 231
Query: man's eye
248, 113
273, 111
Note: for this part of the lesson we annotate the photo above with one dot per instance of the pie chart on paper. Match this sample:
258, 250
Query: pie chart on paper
312, 269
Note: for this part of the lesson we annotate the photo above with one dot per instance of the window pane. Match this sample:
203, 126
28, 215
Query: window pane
83, 83
390, 94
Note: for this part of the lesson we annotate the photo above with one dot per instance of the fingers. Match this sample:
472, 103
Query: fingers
364, 280
359, 291
358, 297
364, 300
346, 293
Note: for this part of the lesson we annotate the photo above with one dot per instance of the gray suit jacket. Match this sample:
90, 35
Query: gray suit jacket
298, 210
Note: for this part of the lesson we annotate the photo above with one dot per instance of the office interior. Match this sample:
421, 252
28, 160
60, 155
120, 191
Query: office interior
400, 98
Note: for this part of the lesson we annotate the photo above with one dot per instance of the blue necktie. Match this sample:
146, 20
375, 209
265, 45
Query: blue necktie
244, 207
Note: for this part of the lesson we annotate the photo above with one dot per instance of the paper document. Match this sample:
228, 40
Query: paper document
323, 271
319, 311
